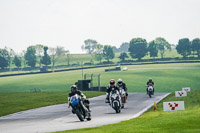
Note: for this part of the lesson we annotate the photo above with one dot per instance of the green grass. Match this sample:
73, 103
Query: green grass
15, 95
166, 80
20, 101
157, 122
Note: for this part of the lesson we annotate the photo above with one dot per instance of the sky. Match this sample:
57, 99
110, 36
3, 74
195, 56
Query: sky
68, 23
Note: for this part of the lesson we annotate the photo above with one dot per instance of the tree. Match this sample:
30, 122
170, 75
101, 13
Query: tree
184, 47
124, 47
4, 58
30, 56
53, 55
162, 45
138, 48
39, 49
115, 49
89, 45
196, 46
17, 61
11, 55
22, 55
123, 56
153, 49
108, 52
98, 54
60, 51
46, 59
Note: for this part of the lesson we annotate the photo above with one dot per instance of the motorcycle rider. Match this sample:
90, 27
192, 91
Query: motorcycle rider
84, 102
111, 86
150, 83
120, 83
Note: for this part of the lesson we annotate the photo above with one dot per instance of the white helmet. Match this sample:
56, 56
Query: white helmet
119, 81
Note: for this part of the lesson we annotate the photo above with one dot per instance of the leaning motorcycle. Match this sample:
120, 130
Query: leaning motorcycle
150, 90
123, 96
115, 100
78, 109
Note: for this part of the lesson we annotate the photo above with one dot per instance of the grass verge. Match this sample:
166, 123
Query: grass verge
157, 122
172, 77
20, 101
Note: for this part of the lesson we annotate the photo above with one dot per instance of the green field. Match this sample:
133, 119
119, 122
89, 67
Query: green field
15, 94
186, 121
167, 78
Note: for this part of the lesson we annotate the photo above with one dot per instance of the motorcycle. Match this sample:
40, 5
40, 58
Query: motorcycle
123, 96
78, 109
115, 100
150, 90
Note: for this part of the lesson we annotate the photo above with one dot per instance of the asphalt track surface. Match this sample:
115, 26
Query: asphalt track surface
60, 118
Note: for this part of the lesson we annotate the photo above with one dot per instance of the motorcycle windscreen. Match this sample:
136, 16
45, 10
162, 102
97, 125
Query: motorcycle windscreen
74, 101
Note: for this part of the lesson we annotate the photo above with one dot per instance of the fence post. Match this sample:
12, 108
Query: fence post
99, 81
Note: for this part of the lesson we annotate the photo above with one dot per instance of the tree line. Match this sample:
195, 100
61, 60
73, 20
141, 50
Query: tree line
33, 54
137, 48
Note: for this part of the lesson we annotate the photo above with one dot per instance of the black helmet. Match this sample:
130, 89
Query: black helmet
112, 82
150, 79
119, 81
73, 88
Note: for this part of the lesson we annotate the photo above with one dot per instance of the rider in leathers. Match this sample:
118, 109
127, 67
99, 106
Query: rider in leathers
84, 102
120, 83
150, 83
111, 86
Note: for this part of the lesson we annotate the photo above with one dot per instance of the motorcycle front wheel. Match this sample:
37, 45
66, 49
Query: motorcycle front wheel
79, 115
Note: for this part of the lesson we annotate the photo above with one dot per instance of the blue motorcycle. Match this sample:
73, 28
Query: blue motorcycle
78, 109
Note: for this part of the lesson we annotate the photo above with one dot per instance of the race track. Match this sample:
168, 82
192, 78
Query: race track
59, 117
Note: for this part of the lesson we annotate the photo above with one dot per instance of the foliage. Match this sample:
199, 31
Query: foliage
60, 51
98, 54
138, 48
124, 47
17, 61
52, 53
39, 49
153, 49
196, 46
46, 59
90, 45
123, 56
30, 56
108, 52
4, 58
184, 47
162, 45
115, 49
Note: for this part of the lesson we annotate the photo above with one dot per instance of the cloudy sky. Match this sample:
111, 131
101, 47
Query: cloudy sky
110, 22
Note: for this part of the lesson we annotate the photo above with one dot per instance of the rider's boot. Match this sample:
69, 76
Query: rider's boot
107, 99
